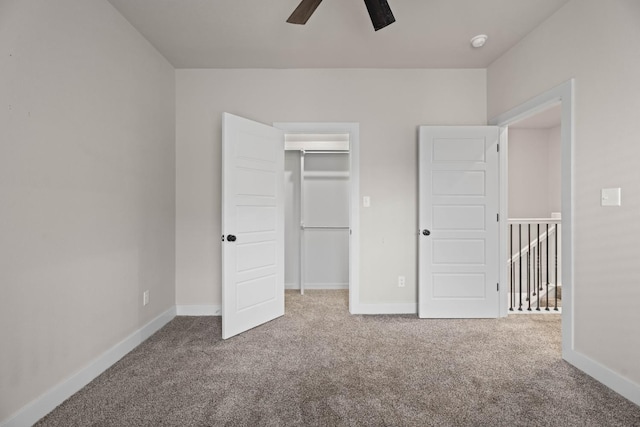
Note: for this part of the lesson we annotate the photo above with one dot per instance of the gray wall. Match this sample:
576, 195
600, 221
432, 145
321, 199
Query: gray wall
87, 189
606, 65
388, 104
534, 172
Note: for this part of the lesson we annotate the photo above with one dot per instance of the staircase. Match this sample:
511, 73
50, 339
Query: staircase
534, 265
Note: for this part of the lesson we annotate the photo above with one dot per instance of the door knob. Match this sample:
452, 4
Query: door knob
231, 238
426, 232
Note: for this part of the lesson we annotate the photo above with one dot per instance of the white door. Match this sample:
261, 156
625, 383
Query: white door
252, 223
458, 247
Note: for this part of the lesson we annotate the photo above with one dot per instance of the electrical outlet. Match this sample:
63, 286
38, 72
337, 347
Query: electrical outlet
401, 281
145, 298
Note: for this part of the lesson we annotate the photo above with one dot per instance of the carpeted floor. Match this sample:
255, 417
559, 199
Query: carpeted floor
320, 366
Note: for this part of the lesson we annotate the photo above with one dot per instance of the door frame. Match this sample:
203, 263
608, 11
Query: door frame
353, 129
565, 94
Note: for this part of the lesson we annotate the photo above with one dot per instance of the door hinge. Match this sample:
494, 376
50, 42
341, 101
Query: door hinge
498, 217
498, 287
498, 148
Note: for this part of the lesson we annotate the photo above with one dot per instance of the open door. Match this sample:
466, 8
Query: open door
252, 223
458, 249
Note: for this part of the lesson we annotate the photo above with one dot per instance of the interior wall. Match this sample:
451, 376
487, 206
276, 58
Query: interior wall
388, 104
606, 66
554, 172
534, 172
87, 188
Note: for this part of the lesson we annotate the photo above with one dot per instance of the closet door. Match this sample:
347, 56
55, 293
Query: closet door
253, 223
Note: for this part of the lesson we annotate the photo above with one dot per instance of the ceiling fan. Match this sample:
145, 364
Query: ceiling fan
379, 11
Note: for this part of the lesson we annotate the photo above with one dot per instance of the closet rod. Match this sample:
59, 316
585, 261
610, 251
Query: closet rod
324, 152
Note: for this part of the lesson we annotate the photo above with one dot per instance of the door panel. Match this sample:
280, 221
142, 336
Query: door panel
458, 205
461, 251
458, 183
446, 286
253, 212
458, 217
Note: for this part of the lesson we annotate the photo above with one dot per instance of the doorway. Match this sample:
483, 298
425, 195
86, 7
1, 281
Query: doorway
534, 213
253, 218
316, 172
564, 96
322, 210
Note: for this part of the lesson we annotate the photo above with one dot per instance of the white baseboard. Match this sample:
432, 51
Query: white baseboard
48, 401
317, 286
616, 382
392, 308
198, 310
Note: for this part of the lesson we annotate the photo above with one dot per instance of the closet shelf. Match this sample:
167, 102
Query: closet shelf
325, 174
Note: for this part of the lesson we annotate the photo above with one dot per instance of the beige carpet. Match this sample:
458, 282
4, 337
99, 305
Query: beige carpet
320, 366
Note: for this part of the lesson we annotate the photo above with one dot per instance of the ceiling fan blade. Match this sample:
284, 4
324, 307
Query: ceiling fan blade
303, 12
380, 13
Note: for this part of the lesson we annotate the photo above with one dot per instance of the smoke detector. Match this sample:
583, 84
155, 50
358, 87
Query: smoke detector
479, 40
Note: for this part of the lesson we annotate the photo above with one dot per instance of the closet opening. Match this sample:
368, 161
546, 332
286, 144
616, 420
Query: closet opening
317, 211
321, 207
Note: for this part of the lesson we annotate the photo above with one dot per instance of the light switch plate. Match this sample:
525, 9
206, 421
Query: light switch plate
366, 201
611, 196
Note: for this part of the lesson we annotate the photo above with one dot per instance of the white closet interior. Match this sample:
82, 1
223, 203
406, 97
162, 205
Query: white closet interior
317, 211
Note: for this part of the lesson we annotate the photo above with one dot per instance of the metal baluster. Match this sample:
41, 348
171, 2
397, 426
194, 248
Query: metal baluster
529, 269
540, 288
556, 266
513, 288
539, 264
547, 267
512, 273
520, 264
534, 258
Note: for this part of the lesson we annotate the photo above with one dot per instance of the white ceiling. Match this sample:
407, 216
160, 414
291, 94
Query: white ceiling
254, 34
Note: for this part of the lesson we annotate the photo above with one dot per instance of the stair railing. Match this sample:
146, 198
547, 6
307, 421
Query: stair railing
534, 263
